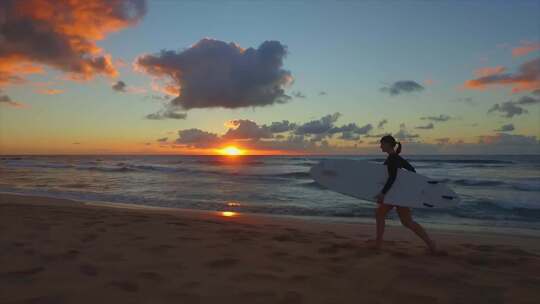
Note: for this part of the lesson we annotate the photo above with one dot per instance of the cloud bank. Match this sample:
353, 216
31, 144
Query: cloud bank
213, 73
62, 35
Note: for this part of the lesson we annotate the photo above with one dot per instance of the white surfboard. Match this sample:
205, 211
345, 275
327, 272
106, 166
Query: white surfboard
364, 180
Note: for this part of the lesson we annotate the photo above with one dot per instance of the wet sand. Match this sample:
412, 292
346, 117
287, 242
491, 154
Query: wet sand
61, 251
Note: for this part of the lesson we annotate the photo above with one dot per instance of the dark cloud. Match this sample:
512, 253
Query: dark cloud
246, 129
509, 109
166, 114
352, 128
61, 34
439, 118
276, 135
119, 86
281, 126
325, 127
214, 73
404, 135
513, 108
6, 100
298, 94
197, 138
505, 139
322, 93
380, 135
426, 127
527, 100
506, 128
527, 78
347, 135
163, 139
158, 97
467, 100
381, 123
320, 126
250, 138
403, 86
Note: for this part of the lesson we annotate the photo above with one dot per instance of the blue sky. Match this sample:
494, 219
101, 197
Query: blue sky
348, 49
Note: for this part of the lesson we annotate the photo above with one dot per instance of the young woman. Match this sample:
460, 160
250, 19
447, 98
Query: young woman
393, 162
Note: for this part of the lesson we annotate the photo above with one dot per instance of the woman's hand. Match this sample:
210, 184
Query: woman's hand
380, 198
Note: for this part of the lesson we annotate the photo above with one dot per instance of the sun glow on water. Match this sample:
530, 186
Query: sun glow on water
231, 150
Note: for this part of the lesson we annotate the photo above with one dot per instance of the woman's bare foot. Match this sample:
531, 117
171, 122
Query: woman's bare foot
432, 250
374, 244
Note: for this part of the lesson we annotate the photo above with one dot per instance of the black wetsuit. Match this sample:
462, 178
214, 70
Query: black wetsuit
393, 162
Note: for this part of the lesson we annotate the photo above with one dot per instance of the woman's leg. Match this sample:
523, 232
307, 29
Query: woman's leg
407, 221
380, 214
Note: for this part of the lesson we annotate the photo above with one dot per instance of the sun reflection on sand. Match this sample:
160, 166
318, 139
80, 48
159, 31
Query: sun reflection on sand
229, 213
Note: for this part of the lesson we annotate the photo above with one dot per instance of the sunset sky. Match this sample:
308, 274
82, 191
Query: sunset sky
269, 77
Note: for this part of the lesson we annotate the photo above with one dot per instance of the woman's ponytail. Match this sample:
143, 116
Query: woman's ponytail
398, 148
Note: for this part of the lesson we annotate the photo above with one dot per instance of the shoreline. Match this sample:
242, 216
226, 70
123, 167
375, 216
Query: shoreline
440, 227
65, 251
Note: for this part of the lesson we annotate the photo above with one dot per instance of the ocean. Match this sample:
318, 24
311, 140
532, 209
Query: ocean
500, 191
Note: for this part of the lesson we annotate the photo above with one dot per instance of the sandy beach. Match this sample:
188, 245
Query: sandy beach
61, 251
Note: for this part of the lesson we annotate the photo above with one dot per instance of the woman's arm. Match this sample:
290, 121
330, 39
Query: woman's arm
392, 174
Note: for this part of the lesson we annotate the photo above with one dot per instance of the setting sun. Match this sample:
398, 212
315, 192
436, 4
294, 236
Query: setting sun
231, 150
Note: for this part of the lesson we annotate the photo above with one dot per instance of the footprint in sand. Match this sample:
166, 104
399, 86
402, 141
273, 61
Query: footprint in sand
70, 254
45, 300
292, 297
92, 223
151, 276
89, 270
290, 237
400, 254
178, 224
334, 248
279, 254
333, 234
159, 249
118, 224
256, 276
187, 238
29, 251
125, 285
89, 237
223, 263
520, 252
22, 273
112, 257
191, 284
299, 278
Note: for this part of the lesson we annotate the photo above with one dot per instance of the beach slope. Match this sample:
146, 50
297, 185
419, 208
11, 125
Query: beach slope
61, 251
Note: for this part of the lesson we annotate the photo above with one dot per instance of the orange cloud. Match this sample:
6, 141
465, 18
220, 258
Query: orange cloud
526, 78
525, 48
487, 71
13, 66
6, 100
51, 91
61, 34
